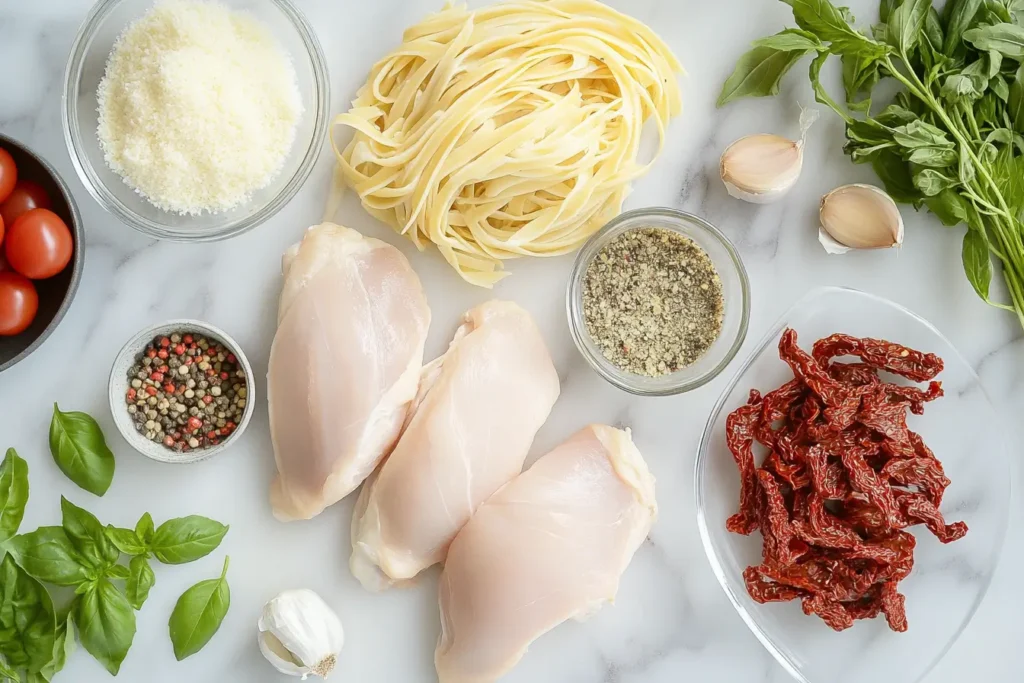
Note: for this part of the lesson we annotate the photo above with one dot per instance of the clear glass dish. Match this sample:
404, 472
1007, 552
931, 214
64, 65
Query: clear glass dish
86, 65
735, 290
948, 582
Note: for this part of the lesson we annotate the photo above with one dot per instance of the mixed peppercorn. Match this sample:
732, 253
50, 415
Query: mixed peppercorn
186, 391
843, 478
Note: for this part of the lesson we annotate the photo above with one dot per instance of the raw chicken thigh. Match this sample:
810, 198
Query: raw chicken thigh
549, 546
344, 366
479, 407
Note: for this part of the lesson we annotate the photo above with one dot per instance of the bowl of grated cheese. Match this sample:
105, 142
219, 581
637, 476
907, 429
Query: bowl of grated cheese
195, 120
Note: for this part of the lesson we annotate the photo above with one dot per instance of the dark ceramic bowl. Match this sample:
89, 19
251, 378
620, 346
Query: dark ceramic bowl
55, 293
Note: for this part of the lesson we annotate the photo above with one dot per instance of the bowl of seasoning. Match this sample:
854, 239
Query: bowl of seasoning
181, 391
658, 302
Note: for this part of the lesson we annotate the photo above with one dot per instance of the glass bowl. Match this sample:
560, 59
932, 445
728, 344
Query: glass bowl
85, 69
735, 291
948, 581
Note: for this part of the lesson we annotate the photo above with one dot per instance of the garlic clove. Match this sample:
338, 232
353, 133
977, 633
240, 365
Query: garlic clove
761, 168
300, 635
859, 217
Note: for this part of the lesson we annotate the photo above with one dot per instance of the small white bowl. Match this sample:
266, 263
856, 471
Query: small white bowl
118, 388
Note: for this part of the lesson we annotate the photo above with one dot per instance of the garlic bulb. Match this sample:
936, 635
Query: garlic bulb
859, 217
300, 635
762, 168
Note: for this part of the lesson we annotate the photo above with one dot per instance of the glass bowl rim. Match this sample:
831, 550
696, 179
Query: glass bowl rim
703, 454
99, 191
621, 223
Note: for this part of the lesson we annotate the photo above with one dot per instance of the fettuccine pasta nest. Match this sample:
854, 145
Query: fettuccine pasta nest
508, 131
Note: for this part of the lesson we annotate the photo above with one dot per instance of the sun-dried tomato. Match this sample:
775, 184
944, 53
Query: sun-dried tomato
843, 477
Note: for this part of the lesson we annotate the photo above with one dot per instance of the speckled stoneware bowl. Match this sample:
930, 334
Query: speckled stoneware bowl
118, 388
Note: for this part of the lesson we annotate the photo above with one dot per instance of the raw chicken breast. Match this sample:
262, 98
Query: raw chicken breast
344, 366
549, 546
479, 407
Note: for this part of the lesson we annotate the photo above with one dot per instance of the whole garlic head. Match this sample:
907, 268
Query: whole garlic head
300, 635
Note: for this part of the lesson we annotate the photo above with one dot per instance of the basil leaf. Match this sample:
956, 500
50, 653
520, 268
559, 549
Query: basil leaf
962, 87
87, 535
48, 555
933, 28
1005, 38
967, 172
26, 617
792, 40
106, 624
894, 172
959, 17
933, 157
895, 115
906, 25
63, 647
949, 207
126, 540
118, 571
13, 493
185, 539
977, 263
144, 528
1000, 88
832, 24
198, 614
140, 581
820, 94
860, 74
918, 134
80, 451
758, 74
1015, 101
886, 8
931, 182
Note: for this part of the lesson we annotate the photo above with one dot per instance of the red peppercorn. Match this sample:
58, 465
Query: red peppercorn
151, 353
229, 425
188, 360
212, 434
169, 441
151, 391
224, 376
165, 342
187, 339
211, 372
207, 399
131, 394
179, 349
231, 358
156, 376
162, 353
194, 423
169, 388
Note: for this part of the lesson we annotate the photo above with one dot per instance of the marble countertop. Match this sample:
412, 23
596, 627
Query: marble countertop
671, 622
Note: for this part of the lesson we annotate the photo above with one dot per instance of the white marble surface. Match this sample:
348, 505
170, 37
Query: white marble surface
671, 622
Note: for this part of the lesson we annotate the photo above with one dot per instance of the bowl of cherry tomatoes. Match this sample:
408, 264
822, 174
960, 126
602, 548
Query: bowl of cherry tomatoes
41, 251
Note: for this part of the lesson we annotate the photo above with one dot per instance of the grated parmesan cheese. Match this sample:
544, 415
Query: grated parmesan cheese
198, 106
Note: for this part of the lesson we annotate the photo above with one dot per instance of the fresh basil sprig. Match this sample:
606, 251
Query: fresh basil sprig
48, 555
88, 536
952, 137
198, 614
13, 493
140, 581
106, 623
80, 451
186, 539
27, 621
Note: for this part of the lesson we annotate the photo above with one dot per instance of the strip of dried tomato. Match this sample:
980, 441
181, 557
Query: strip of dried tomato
867, 481
809, 371
894, 606
917, 507
834, 614
795, 475
777, 517
889, 420
880, 354
739, 436
853, 373
767, 591
867, 607
914, 396
924, 473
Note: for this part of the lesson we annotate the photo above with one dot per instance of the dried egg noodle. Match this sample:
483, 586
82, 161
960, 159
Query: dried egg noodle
508, 131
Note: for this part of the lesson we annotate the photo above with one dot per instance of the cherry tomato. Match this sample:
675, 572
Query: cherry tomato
8, 174
18, 303
38, 245
26, 196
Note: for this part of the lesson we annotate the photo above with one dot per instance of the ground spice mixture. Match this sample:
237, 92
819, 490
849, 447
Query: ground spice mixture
652, 301
186, 391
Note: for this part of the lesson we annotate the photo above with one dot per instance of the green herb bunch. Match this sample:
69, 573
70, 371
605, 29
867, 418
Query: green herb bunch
36, 636
951, 140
